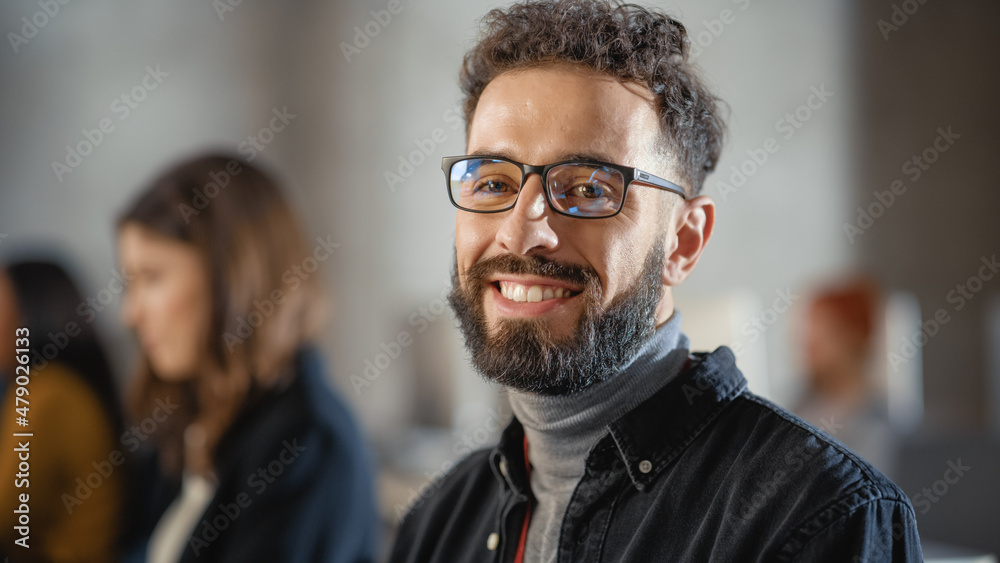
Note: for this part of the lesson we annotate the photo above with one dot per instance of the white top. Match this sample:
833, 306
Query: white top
180, 520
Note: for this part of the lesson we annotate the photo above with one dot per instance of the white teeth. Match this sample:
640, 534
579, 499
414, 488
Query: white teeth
531, 294
534, 294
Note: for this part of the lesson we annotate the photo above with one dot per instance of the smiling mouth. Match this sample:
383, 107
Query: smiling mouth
534, 293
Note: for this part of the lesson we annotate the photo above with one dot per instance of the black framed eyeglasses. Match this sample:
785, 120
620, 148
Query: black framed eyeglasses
578, 188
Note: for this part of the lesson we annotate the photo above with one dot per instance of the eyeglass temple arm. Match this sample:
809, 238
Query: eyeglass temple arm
656, 181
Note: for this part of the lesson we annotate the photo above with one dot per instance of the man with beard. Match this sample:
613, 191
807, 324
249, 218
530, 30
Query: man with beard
589, 136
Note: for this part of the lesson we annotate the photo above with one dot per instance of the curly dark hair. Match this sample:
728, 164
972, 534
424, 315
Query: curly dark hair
629, 42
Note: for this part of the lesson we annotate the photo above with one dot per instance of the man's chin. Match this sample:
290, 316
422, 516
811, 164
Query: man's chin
546, 331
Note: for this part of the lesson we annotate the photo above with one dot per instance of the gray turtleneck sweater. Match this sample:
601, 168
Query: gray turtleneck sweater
561, 430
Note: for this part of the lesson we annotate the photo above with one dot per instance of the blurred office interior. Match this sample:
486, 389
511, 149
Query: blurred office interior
862, 139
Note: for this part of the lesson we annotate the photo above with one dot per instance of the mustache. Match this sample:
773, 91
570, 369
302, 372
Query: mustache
477, 274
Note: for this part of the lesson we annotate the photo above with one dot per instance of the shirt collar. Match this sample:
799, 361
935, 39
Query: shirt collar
507, 459
651, 436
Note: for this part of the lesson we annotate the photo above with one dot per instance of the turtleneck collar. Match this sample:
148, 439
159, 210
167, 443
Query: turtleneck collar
562, 429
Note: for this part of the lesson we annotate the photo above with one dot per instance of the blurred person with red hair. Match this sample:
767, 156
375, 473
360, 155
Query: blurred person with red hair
840, 394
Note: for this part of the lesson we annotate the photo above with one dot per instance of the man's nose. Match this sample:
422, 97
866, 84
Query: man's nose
526, 228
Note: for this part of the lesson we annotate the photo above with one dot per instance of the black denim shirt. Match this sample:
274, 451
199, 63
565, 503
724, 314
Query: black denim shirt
702, 471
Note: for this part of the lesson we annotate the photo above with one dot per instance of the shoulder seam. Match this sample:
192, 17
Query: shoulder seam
828, 439
788, 539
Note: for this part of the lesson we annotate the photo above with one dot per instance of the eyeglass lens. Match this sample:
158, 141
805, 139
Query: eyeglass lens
586, 190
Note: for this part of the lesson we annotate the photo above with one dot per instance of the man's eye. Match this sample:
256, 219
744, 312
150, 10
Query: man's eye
491, 186
589, 191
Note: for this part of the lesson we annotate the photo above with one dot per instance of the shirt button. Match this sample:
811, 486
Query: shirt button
645, 466
493, 541
503, 467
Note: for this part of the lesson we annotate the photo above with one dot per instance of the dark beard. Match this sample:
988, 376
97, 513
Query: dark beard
522, 354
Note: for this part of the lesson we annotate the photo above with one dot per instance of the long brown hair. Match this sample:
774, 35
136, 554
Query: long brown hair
249, 239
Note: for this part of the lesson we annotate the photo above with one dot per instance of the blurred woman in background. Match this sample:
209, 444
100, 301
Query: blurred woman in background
75, 478
257, 459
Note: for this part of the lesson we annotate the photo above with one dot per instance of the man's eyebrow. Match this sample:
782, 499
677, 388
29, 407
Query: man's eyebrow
502, 153
598, 156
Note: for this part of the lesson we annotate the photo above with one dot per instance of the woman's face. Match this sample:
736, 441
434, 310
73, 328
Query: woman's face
167, 302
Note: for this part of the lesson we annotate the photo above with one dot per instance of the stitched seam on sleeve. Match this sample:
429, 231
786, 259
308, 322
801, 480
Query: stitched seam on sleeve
785, 555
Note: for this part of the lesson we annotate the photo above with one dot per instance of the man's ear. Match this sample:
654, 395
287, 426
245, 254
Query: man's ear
693, 225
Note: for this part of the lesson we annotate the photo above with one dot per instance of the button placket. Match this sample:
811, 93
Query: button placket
589, 514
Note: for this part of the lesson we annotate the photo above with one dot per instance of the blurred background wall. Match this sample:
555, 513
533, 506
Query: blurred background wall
828, 102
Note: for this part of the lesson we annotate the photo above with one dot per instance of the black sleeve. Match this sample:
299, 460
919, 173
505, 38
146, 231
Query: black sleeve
883, 530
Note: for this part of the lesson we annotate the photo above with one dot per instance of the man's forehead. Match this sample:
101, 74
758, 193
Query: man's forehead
562, 112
